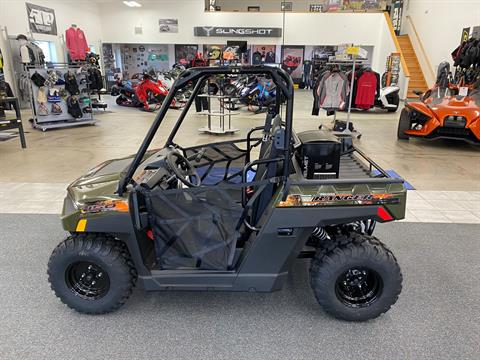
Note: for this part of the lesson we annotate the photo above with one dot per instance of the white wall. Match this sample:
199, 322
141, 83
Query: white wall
112, 22
301, 29
439, 24
13, 16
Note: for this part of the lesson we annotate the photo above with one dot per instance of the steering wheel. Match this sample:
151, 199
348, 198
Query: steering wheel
182, 169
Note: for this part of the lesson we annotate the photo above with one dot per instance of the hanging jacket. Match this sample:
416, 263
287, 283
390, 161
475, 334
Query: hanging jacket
443, 73
320, 76
37, 56
95, 79
333, 90
366, 90
316, 108
76, 43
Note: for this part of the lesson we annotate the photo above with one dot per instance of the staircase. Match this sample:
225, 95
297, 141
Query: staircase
417, 80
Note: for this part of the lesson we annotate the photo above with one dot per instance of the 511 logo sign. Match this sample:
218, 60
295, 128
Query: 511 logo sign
41, 19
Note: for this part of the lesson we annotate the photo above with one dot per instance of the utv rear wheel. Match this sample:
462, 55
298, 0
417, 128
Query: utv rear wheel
91, 273
403, 125
355, 277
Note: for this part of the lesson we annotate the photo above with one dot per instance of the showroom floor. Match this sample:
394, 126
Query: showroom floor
58, 156
436, 316
34, 180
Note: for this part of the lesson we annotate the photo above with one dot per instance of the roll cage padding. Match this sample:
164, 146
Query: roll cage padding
280, 77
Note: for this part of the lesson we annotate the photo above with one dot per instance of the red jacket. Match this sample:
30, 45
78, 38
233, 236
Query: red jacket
366, 90
76, 43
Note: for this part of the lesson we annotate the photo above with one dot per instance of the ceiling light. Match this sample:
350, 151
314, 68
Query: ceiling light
132, 4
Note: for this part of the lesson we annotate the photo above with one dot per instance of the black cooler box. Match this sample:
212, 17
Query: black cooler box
319, 154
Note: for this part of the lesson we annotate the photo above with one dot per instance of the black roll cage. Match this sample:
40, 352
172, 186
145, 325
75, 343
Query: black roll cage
280, 77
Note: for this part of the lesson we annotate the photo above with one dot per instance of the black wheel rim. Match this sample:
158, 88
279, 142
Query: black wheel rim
87, 280
358, 287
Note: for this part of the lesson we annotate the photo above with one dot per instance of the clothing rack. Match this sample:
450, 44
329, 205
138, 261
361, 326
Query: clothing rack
353, 63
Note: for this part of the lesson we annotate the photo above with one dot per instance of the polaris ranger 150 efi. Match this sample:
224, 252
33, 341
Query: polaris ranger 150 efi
232, 216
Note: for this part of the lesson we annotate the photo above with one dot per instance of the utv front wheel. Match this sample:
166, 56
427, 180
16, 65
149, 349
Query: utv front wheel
355, 278
91, 273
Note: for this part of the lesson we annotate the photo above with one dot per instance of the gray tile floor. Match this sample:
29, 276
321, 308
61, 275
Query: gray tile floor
436, 316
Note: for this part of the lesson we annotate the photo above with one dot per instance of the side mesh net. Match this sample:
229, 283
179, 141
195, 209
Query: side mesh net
194, 228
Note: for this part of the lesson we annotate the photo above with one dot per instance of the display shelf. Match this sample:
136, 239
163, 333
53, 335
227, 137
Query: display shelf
218, 130
64, 119
44, 126
218, 96
218, 113
8, 123
221, 114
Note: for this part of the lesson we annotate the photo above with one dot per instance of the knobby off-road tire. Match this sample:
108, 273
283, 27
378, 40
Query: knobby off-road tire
341, 261
83, 259
403, 124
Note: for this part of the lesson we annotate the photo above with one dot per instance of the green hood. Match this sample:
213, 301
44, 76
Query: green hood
100, 183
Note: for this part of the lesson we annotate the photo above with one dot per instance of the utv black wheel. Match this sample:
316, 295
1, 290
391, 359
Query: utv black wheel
91, 273
394, 100
355, 278
403, 124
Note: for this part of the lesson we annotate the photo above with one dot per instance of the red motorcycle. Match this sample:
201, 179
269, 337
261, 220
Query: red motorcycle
148, 94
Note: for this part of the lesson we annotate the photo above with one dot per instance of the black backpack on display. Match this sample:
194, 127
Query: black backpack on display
74, 107
71, 84
38, 79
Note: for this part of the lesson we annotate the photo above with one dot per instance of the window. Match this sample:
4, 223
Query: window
49, 50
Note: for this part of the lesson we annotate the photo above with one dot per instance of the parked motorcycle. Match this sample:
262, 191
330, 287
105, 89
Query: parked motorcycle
125, 91
147, 94
388, 99
258, 93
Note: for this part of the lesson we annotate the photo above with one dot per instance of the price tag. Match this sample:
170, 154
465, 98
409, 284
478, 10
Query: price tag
463, 91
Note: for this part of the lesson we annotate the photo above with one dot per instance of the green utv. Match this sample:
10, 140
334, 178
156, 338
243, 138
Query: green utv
232, 215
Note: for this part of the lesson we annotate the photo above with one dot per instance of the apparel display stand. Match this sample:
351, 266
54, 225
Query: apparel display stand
221, 114
54, 121
352, 63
